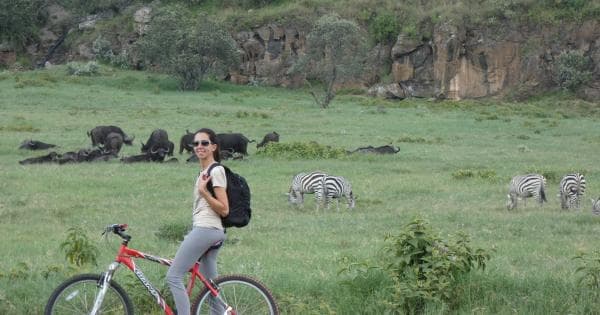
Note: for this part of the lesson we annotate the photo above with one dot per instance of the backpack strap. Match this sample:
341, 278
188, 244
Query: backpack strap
209, 185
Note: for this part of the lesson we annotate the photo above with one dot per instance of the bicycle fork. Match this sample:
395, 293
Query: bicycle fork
103, 284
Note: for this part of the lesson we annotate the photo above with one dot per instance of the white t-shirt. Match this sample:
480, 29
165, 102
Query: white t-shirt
202, 214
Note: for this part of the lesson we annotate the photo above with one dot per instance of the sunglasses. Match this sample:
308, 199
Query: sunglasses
204, 143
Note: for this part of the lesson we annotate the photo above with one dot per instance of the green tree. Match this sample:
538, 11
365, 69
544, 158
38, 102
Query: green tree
19, 21
186, 46
573, 70
336, 50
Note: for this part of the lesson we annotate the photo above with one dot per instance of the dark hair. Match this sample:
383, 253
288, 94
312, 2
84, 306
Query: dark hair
212, 136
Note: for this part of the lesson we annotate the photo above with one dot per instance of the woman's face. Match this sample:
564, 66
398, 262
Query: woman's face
203, 147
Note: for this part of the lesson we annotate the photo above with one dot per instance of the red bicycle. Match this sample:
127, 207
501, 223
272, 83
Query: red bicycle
100, 294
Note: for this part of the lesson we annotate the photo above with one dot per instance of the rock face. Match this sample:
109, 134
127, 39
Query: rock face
454, 62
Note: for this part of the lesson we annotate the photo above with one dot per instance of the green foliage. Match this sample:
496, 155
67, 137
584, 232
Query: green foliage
385, 28
186, 47
173, 231
589, 269
336, 49
19, 21
301, 150
426, 268
78, 248
85, 7
90, 68
573, 70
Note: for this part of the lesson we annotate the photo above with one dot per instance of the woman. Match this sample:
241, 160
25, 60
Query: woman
207, 233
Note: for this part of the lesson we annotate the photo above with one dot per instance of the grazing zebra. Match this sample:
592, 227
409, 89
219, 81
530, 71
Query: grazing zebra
596, 206
525, 186
571, 188
304, 183
334, 187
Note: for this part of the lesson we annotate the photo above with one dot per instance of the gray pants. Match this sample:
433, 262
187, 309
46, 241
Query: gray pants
196, 245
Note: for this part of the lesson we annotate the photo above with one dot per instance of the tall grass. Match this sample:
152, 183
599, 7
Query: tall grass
296, 251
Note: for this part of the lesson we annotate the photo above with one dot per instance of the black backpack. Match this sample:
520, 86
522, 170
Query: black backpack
238, 195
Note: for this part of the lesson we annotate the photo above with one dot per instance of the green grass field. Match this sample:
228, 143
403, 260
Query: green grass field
297, 252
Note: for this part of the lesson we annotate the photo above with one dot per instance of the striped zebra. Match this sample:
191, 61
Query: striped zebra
571, 189
334, 187
525, 186
596, 206
304, 183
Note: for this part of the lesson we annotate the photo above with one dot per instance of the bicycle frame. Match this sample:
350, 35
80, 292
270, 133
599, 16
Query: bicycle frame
126, 257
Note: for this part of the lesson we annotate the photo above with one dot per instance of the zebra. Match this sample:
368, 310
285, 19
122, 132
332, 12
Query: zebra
334, 187
525, 186
571, 188
304, 183
596, 206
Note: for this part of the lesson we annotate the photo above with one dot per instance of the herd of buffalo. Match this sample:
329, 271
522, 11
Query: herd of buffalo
108, 140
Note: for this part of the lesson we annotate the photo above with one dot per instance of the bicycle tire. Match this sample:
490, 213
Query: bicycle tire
77, 294
246, 295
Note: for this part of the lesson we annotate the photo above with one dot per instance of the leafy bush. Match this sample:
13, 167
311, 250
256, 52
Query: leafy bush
78, 248
89, 69
425, 267
589, 269
19, 21
417, 267
301, 150
385, 28
573, 70
186, 46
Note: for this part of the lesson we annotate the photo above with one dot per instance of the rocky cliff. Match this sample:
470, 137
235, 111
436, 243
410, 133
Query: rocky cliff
455, 62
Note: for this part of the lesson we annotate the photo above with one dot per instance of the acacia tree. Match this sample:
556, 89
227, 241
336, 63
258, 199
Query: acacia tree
186, 47
336, 49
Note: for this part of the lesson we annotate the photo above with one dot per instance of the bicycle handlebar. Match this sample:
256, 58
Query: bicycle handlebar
118, 229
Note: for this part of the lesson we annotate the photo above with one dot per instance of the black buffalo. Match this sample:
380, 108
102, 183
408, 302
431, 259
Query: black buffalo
92, 155
269, 137
158, 145
384, 149
113, 143
137, 158
48, 158
186, 142
35, 145
99, 134
235, 142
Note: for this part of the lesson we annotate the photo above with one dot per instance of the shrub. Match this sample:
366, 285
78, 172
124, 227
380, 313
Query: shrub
417, 267
572, 70
302, 150
89, 69
425, 267
589, 269
19, 21
385, 28
78, 248
187, 47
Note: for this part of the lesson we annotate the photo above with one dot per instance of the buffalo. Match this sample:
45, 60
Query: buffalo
35, 145
99, 134
158, 145
384, 149
269, 137
186, 142
48, 158
113, 143
235, 142
137, 158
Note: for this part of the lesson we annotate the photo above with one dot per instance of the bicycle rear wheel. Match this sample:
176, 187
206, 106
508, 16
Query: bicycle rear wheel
244, 294
76, 296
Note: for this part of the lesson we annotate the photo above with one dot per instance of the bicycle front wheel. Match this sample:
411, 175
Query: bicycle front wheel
245, 295
77, 295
